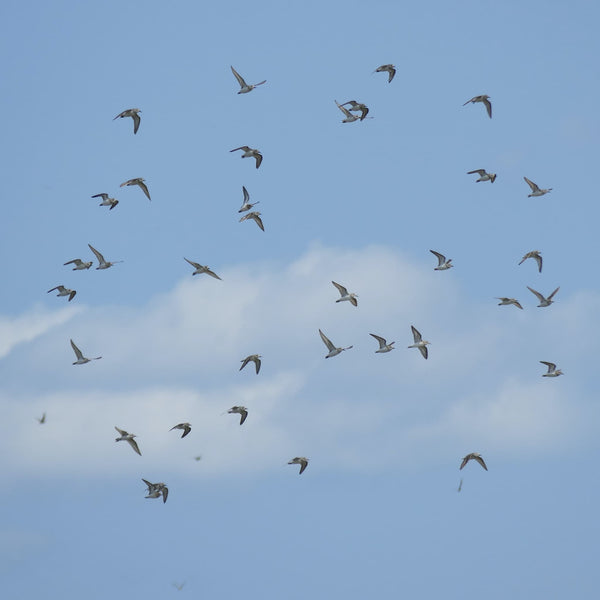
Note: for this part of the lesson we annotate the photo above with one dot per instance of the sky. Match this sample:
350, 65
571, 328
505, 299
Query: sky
377, 511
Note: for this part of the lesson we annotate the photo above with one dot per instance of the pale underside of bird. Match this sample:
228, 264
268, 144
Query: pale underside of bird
391, 70
299, 460
125, 436
344, 295
473, 456
79, 264
250, 153
483, 98
200, 269
103, 264
133, 113
552, 370
350, 118
420, 343
333, 351
483, 175
81, 359
239, 410
255, 358
255, 216
244, 87
139, 181
536, 255
156, 490
106, 200
41, 420
535, 189
544, 301
357, 107
443, 264
63, 291
185, 426
383, 345
246, 204
508, 302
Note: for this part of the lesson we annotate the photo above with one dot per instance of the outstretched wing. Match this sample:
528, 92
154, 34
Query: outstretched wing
532, 185
239, 78
341, 289
97, 254
326, 341
416, 335
77, 351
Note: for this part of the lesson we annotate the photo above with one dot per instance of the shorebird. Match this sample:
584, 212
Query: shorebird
185, 426
537, 256
250, 153
245, 88
383, 345
41, 420
473, 456
350, 118
240, 410
333, 351
352, 298
155, 490
544, 301
247, 205
358, 106
535, 190
81, 359
483, 98
299, 460
255, 216
139, 181
102, 264
124, 436
79, 264
508, 302
552, 370
483, 175
391, 69
201, 269
106, 200
420, 343
255, 358
63, 291
133, 113
443, 264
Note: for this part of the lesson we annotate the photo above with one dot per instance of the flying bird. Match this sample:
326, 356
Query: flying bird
185, 426
250, 153
133, 113
420, 343
383, 345
391, 69
535, 189
535, 254
459, 486
350, 118
245, 88
443, 264
139, 181
255, 358
255, 216
124, 436
299, 460
247, 205
544, 301
552, 370
179, 586
106, 200
240, 410
79, 264
63, 291
473, 456
357, 107
344, 295
155, 490
483, 175
483, 98
508, 302
81, 359
41, 420
102, 264
201, 269
333, 351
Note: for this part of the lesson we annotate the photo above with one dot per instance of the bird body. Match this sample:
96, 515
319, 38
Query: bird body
124, 436
248, 152
133, 113
81, 359
483, 175
244, 87
473, 456
63, 291
200, 269
483, 98
383, 345
255, 358
139, 181
299, 460
420, 343
443, 264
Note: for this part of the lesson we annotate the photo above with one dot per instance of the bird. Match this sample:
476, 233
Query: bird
459, 486
247, 205
133, 113
155, 490
483, 98
358, 106
544, 301
106, 201
443, 264
201, 269
185, 426
420, 343
535, 189
333, 351
483, 175
552, 370
240, 410
250, 153
81, 359
245, 88
391, 69
350, 118
383, 345
344, 295
179, 586
255, 358
41, 420
255, 216
299, 460
102, 264
124, 436
79, 264
63, 291
139, 181
535, 254
473, 456
508, 302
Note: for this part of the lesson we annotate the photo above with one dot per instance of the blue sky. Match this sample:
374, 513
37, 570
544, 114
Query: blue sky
376, 512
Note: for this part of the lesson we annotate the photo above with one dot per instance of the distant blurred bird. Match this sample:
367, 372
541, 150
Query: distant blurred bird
133, 113
383, 345
483, 175
79, 264
139, 181
483, 98
246, 205
102, 264
106, 200
255, 358
350, 118
124, 436
333, 351
240, 410
357, 107
389, 68
509, 301
473, 456
299, 460
552, 370
41, 420
245, 88
155, 490
255, 216
544, 301
81, 359
63, 291
200, 269
185, 426
536, 255
419, 342
535, 189
250, 153
443, 264
344, 295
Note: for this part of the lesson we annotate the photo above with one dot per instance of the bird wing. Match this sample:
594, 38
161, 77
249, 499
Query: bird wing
538, 260
134, 445
103, 196
244, 148
72, 295
480, 461
424, 351
246, 195
382, 342
539, 296
60, 288
257, 364
471, 100
441, 258
98, 255
344, 110
194, 264
239, 78
304, 464
392, 72
554, 292
259, 158
128, 182
480, 171
416, 335
532, 185
77, 351
326, 341
488, 106
551, 366
186, 430
212, 273
121, 431
165, 493
341, 289
243, 415
258, 221
244, 362
144, 188
136, 122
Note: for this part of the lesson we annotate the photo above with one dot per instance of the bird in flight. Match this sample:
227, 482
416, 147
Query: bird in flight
483, 175
383, 345
63, 291
41, 420
535, 254
255, 216
81, 359
246, 204
106, 200
133, 113
552, 370
333, 351
420, 343
535, 189
201, 269
79, 264
350, 118
357, 107
483, 98
240, 410
391, 70
443, 264
185, 426
250, 153
155, 490
102, 264
544, 301
124, 436
508, 302
299, 460
244, 87
473, 456
344, 295
255, 358
139, 181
